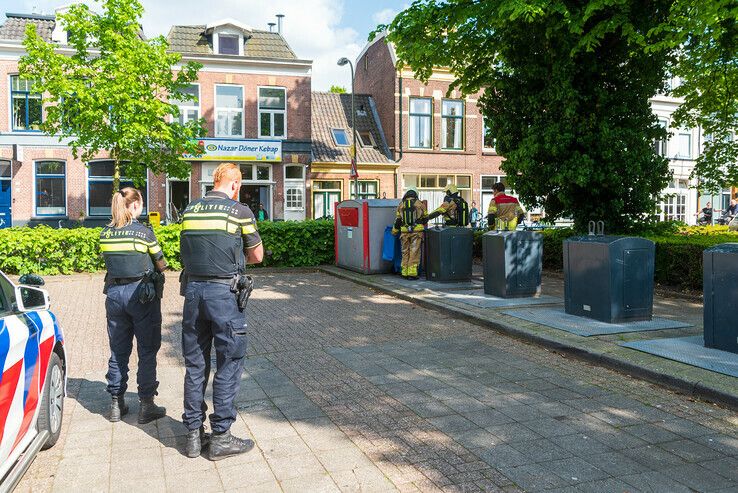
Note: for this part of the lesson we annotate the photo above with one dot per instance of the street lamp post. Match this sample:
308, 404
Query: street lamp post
354, 164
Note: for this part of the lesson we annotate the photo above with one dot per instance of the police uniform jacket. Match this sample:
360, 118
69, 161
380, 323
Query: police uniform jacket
129, 251
215, 231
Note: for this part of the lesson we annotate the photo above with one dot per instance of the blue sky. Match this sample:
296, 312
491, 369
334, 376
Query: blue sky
319, 30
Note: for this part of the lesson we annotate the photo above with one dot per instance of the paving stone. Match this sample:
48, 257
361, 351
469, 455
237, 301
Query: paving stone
283, 447
580, 445
240, 475
616, 464
654, 482
452, 424
541, 450
698, 478
727, 467
296, 466
691, 451
343, 459
502, 455
533, 477
575, 470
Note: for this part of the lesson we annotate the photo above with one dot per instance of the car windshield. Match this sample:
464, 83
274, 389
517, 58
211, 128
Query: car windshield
6, 292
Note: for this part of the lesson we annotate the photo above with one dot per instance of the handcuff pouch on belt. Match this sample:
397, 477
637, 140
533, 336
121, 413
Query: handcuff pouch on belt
241, 286
151, 286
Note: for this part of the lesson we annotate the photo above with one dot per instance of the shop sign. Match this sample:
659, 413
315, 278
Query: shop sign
238, 150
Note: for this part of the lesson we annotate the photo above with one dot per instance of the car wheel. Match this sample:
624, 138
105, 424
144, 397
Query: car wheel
52, 403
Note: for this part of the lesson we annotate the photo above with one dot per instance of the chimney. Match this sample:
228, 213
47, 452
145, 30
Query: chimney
279, 23
59, 34
271, 26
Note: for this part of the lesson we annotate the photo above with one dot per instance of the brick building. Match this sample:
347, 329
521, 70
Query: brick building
435, 139
253, 92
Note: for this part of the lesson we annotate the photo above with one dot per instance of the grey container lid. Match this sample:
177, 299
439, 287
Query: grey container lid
723, 248
373, 202
608, 239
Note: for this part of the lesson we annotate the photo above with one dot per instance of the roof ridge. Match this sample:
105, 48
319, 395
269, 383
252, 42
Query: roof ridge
39, 17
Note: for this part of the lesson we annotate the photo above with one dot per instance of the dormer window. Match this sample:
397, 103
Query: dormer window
228, 44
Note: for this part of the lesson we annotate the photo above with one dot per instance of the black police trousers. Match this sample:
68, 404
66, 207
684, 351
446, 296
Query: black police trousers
211, 318
128, 317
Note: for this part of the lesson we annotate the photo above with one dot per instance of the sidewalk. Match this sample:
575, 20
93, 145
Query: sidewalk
605, 349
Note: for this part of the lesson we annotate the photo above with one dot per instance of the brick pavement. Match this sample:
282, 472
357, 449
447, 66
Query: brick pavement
347, 389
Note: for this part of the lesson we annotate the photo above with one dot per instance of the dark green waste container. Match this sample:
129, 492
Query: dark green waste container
720, 271
512, 263
449, 253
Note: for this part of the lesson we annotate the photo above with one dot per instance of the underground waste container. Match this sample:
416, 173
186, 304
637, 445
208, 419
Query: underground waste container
720, 284
359, 232
609, 278
448, 252
512, 263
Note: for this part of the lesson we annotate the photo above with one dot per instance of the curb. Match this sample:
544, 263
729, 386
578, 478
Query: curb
692, 388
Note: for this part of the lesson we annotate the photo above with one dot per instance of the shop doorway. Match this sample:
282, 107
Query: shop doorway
179, 197
251, 195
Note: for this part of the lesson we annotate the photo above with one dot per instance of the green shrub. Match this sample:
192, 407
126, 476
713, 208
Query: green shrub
47, 251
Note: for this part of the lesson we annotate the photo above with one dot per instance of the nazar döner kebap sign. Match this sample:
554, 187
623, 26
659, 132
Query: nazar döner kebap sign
238, 150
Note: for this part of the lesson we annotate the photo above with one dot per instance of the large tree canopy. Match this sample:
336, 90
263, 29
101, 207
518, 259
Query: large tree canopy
566, 91
111, 90
704, 37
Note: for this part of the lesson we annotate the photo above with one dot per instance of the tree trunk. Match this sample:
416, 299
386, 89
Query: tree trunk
116, 173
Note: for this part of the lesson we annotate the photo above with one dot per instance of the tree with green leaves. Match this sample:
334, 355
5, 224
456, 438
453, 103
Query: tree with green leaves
566, 94
338, 89
703, 35
111, 89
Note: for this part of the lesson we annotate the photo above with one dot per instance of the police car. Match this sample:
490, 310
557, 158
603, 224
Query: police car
33, 382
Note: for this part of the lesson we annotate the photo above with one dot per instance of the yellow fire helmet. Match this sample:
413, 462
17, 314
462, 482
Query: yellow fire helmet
451, 189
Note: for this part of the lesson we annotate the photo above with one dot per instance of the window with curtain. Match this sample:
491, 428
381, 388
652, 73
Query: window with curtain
452, 124
272, 112
420, 124
229, 111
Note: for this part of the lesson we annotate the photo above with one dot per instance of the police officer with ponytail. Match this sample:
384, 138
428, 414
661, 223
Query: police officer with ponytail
133, 285
219, 237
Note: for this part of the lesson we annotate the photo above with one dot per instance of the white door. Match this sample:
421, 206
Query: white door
294, 200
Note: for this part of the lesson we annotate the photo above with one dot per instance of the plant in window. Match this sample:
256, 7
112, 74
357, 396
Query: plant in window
112, 93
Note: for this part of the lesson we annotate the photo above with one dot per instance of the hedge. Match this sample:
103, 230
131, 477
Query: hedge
47, 251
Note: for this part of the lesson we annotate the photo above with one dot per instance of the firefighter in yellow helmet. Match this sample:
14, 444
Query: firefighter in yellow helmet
504, 212
454, 209
409, 221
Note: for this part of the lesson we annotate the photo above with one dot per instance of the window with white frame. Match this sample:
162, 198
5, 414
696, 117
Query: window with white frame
100, 187
431, 187
228, 44
452, 124
228, 111
421, 122
26, 105
294, 198
674, 201
684, 145
189, 110
488, 142
51, 189
660, 144
368, 189
273, 112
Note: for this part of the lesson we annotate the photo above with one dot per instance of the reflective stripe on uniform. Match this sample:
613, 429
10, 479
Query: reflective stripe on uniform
209, 224
250, 229
154, 249
127, 246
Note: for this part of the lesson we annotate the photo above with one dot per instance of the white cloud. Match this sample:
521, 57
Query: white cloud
311, 27
384, 16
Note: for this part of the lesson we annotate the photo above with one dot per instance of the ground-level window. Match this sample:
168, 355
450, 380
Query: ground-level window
100, 187
26, 105
51, 190
674, 201
368, 189
325, 196
431, 187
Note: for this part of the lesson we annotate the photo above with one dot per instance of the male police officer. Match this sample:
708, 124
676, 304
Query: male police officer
409, 222
454, 209
216, 233
504, 210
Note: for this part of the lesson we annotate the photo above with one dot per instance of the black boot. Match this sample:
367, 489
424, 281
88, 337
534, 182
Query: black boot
196, 440
148, 411
224, 445
118, 408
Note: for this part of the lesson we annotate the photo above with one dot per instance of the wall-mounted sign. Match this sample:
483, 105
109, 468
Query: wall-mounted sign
238, 150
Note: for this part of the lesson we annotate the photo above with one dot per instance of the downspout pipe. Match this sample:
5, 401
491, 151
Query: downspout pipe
399, 154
